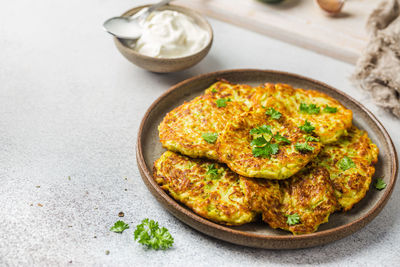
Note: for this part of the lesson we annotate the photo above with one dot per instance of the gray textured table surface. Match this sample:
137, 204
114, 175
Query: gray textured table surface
70, 106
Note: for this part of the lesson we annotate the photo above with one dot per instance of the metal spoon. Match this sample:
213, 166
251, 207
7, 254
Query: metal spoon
128, 27
332, 7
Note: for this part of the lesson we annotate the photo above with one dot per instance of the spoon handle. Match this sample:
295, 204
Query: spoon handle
156, 6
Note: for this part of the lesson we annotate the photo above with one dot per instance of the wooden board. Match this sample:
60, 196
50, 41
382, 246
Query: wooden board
299, 22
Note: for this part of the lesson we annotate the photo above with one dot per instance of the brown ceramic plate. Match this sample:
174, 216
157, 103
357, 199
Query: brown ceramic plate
259, 234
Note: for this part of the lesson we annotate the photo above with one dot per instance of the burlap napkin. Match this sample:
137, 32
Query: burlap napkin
378, 69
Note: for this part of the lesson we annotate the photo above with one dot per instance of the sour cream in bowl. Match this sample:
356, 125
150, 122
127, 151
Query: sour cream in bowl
170, 34
174, 38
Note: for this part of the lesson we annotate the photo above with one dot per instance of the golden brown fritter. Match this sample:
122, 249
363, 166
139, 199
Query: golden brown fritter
209, 189
183, 129
330, 118
350, 162
226, 197
308, 194
235, 92
256, 145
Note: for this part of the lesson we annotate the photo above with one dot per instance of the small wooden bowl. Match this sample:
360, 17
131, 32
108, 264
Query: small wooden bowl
165, 65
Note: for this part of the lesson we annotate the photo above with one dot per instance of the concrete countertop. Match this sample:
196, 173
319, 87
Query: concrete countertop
70, 107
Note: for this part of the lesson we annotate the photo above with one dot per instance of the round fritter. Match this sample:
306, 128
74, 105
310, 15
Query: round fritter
350, 162
193, 127
235, 92
329, 118
309, 194
257, 145
209, 189
216, 193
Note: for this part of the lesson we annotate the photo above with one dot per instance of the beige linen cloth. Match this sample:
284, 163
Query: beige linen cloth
378, 69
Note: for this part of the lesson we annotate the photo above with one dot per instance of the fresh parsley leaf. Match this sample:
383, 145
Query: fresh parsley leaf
281, 138
261, 130
119, 227
310, 109
380, 184
213, 90
276, 115
311, 139
221, 102
266, 151
210, 137
260, 141
346, 163
150, 235
303, 147
212, 172
292, 219
307, 127
329, 109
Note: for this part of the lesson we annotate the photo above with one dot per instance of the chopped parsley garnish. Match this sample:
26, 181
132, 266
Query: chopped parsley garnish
303, 147
276, 115
346, 163
307, 127
292, 219
311, 139
329, 109
150, 235
259, 141
119, 227
281, 138
261, 130
212, 172
380, 184
310, 108
210, 137
265, 151
261, 147
221, 103
213, 90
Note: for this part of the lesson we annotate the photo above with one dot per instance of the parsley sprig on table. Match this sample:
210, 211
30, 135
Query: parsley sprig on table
150, 235
292, 219
274, 114
307, 127
380, 184
309, 108
119, 227
346, 163
221, 102
210, 137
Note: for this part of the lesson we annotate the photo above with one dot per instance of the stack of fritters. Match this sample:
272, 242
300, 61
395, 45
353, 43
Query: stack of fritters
291, 155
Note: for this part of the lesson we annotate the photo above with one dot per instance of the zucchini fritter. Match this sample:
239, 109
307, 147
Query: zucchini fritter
228, 198
310, 195
209, 189
350, 162
183, 128
255, 145
330, 118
